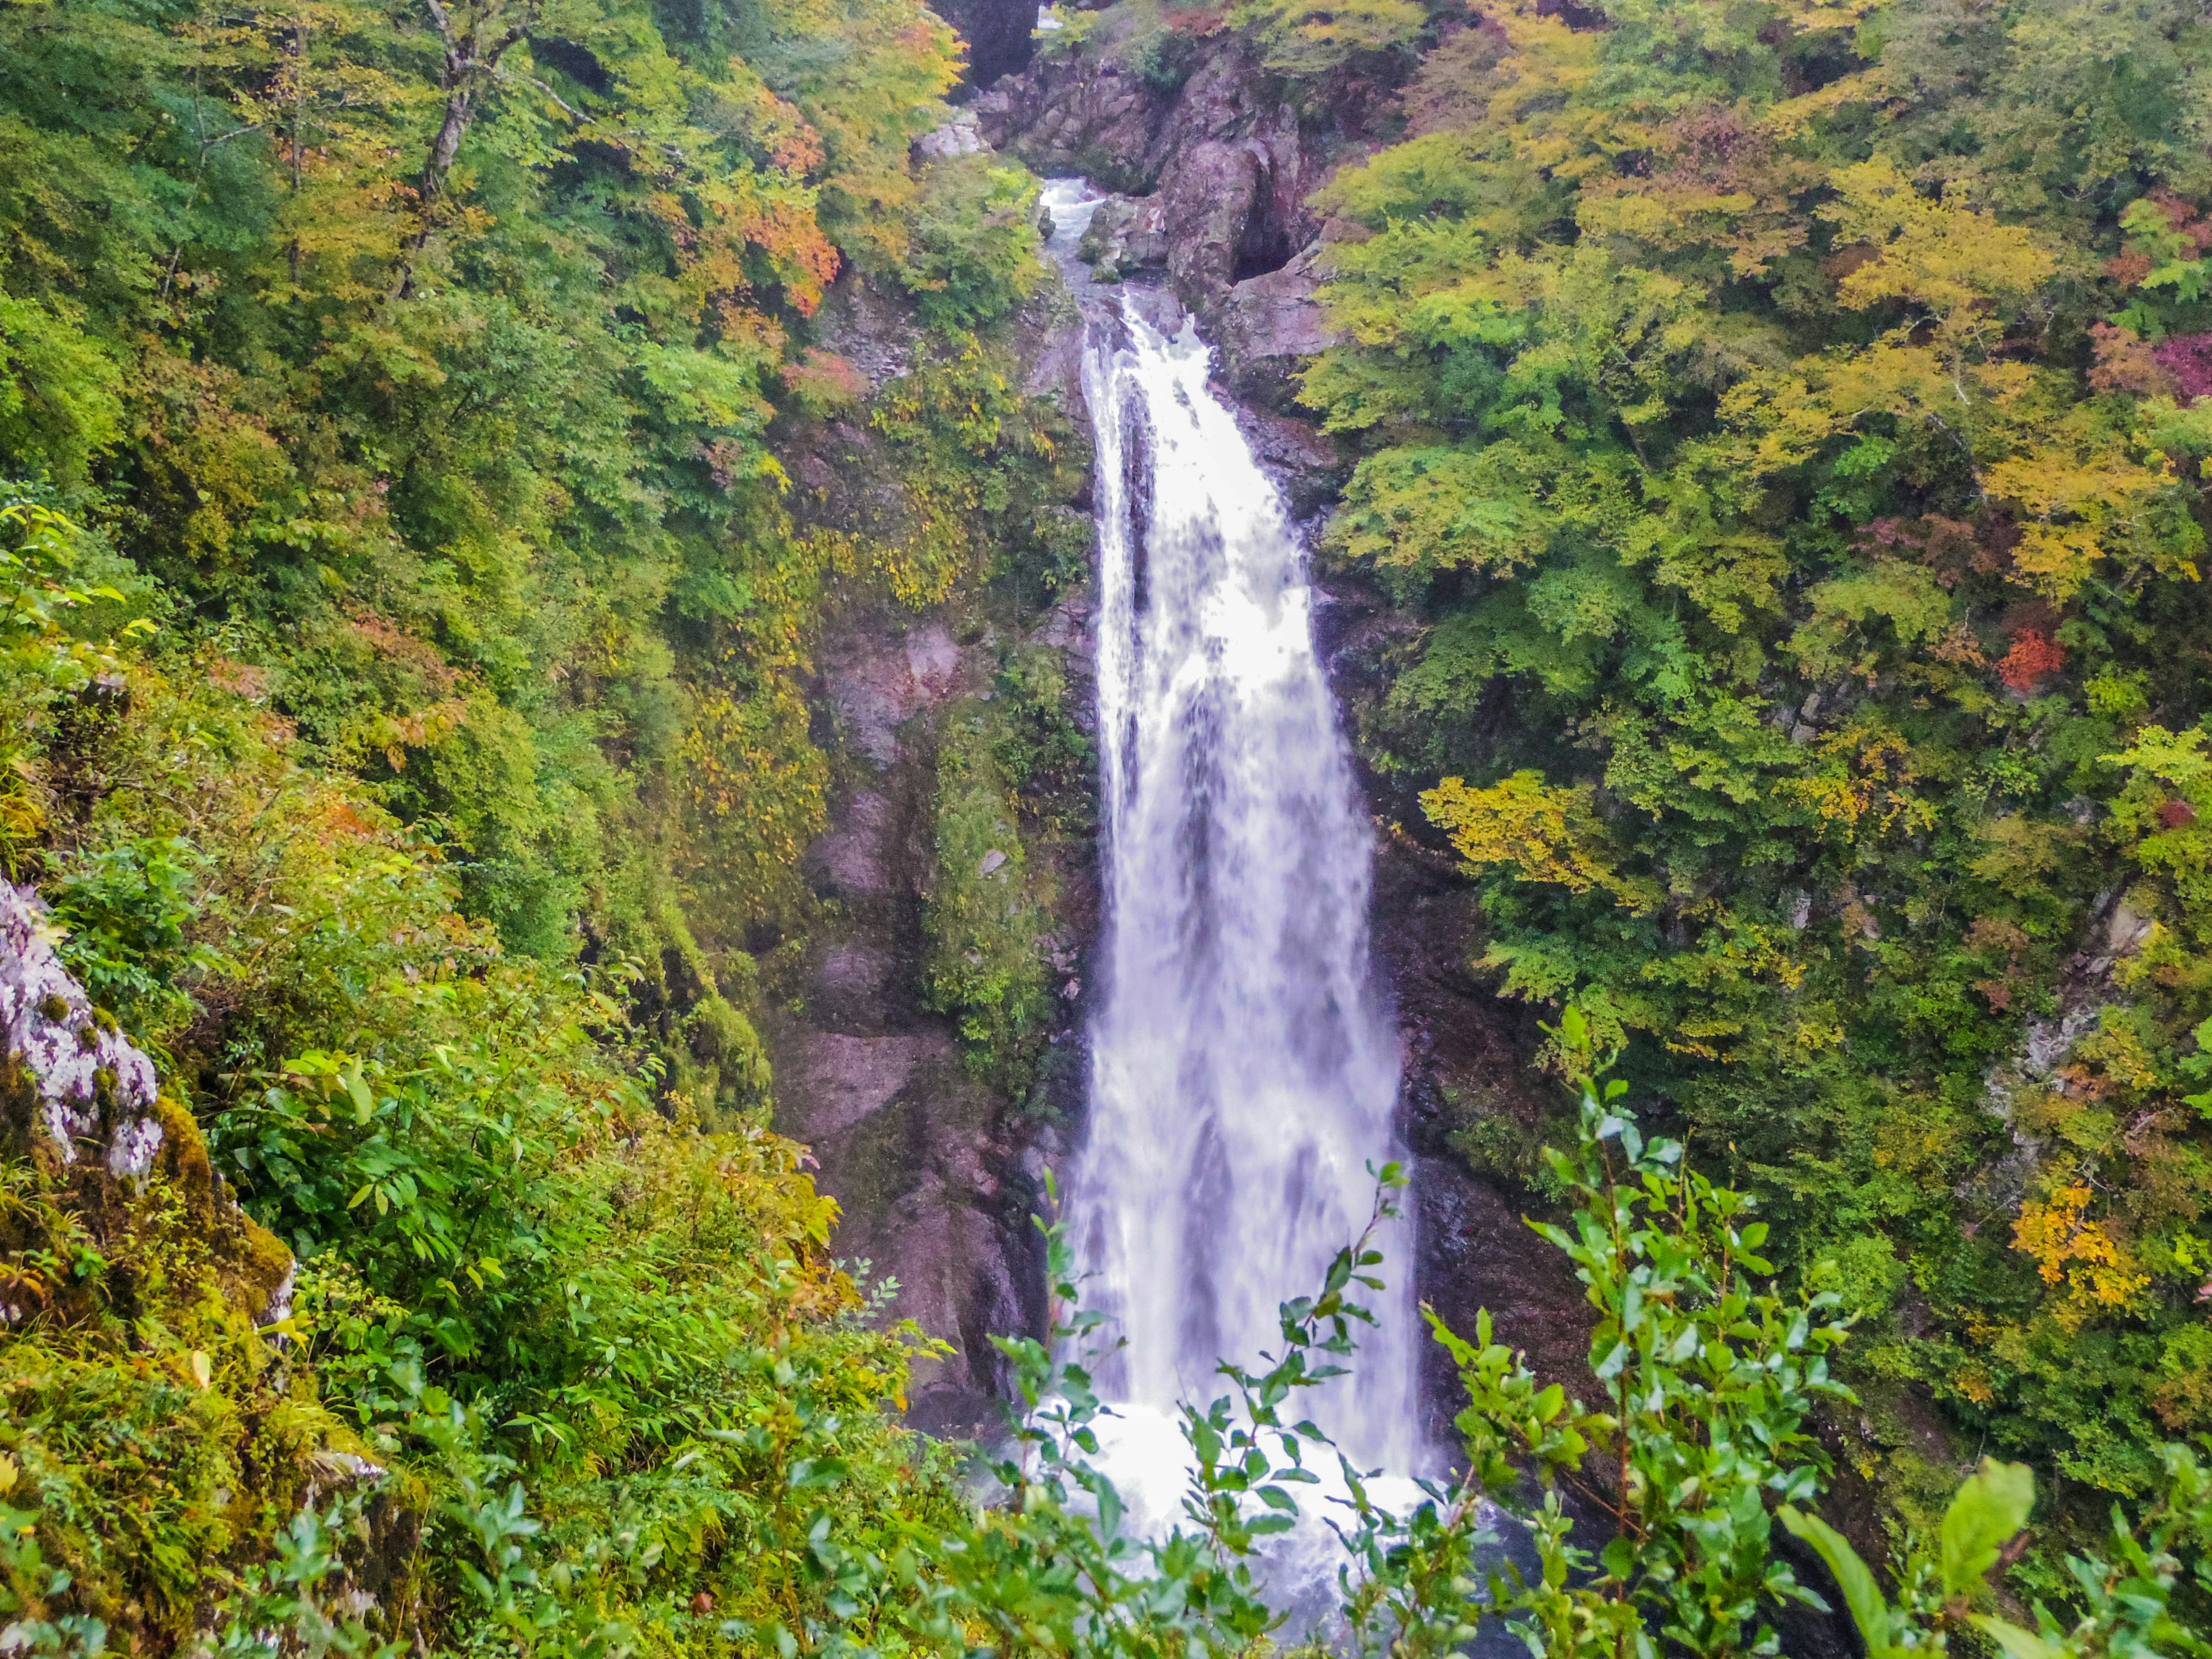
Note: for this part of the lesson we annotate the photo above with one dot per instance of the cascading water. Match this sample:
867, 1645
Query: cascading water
1243, 1076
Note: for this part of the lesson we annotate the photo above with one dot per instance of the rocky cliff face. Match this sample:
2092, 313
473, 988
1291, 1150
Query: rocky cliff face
1214, 139
936, 1168
1224, 162
1215, 171
936, 1161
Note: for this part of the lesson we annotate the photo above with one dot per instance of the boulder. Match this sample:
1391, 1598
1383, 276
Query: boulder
73, 1081
1274, 318
1125, 236
84, 1103
1267, 327
959, 137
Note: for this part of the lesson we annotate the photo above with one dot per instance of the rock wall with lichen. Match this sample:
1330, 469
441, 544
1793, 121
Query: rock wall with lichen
926, 1033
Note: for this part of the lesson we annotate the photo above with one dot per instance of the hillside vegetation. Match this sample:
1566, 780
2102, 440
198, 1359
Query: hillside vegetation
1783, 423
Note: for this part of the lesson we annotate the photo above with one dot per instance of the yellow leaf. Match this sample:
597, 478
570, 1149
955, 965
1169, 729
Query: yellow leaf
1547, 834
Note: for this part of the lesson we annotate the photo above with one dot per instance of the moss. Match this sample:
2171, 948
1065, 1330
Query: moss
156, 1434
1493, 1140
252, 1262
988, 904
722, 1063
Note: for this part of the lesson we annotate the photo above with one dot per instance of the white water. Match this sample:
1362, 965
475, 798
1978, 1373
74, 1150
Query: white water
1243, 1075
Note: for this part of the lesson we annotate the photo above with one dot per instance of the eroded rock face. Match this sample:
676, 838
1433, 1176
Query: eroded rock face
1126, 235
936, 1170
1225, 159
85, 1103
1269, 324
1213, 218
83, 1083
926, 1159
1081, 117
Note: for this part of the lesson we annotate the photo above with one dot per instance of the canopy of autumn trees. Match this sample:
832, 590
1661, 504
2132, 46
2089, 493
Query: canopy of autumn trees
1783, 423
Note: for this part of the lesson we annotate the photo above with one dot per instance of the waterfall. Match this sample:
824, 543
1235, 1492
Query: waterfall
1243, 1075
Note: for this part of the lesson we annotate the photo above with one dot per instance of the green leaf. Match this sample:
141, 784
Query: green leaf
1984, 1516
2017, 1644
1619, 1558
1870, 1610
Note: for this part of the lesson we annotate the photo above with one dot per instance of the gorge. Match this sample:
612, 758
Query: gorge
662, 660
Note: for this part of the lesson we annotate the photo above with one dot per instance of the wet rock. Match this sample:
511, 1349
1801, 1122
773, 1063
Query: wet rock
1125, 236
853, 860
910, 1144
1206, 211
1466, 1065
856, 969
1230, 160
835, 1081
1304, 463
925, 1158
1476, 1254
874, 690
1160, 307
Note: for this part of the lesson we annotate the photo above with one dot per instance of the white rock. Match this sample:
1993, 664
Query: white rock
961, 135
46, 1024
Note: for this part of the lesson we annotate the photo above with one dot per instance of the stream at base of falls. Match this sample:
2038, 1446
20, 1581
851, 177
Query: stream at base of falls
1244, 1072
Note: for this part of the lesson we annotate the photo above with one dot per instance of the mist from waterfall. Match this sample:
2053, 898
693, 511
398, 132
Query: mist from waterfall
1243, 1076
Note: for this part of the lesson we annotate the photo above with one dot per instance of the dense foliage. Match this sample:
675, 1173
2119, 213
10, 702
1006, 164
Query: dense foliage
404, 626
404, 631
1782, 423
422, 362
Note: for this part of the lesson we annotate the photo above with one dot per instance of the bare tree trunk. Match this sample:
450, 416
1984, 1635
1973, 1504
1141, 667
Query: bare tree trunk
460, 111
470, 61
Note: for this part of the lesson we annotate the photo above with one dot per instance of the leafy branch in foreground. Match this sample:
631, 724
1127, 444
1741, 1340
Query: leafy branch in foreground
1712, 1376
2122, 1606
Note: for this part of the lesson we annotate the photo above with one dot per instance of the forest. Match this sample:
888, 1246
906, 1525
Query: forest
1772, 430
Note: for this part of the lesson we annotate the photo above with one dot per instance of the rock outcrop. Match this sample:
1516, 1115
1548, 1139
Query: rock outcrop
81, 1100
935, 1165
1213, 173
1227, 160
76, 1084
1269, 324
